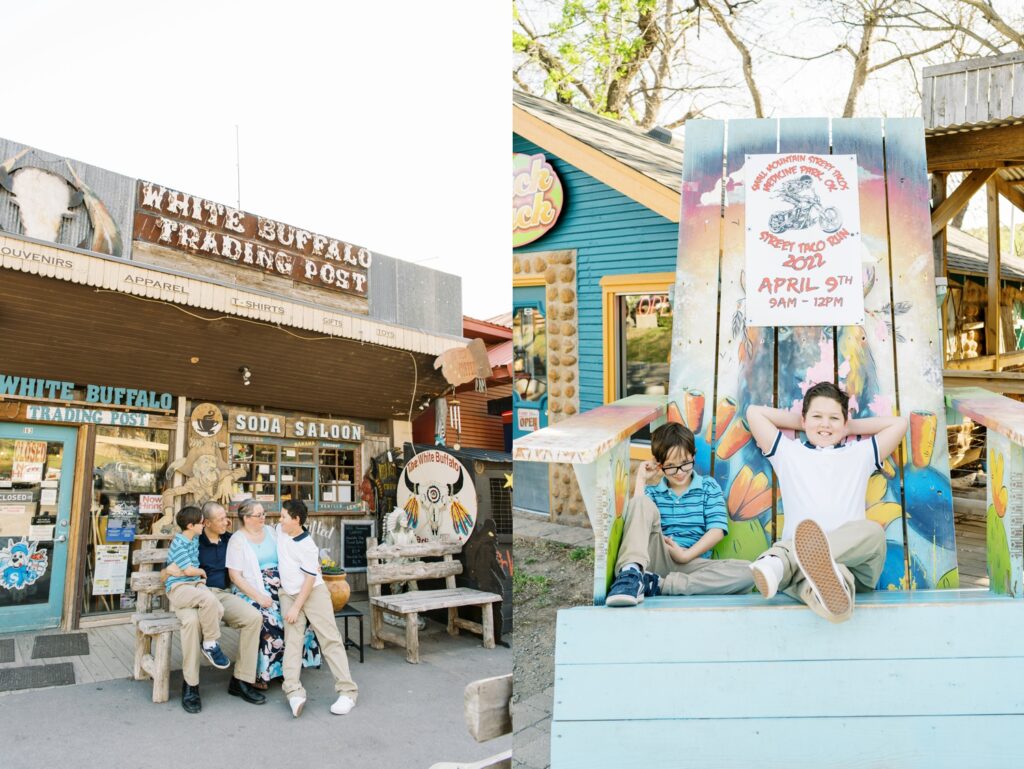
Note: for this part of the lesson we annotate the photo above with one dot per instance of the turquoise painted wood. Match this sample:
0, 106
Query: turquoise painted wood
914, 679
933, 742
612, 235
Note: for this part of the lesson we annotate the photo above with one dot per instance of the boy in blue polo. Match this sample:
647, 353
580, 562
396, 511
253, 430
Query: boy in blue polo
189, 591
671, 528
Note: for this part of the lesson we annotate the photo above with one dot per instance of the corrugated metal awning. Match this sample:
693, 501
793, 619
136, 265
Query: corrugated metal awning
129, 277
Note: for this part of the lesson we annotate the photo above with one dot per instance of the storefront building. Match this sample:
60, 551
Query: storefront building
139, 322
595, 229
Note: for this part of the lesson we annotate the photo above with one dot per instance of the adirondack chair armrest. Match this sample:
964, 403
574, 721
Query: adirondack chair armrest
582, 439
1003, 419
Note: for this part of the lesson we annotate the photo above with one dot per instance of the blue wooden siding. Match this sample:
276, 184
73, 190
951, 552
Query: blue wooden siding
612, 235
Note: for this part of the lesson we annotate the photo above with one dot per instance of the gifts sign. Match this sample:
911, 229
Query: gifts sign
803, 249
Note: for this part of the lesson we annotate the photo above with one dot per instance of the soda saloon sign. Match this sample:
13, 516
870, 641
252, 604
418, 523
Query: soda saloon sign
197, 226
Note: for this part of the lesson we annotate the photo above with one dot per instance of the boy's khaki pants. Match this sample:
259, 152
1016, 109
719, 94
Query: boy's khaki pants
237, 613
319, 613
197, 596
858, 548
642, 543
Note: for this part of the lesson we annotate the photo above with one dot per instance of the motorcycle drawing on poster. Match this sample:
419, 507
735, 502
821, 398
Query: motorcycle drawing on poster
803, 246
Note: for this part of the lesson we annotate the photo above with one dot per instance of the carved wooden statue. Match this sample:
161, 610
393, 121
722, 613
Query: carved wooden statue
208, 476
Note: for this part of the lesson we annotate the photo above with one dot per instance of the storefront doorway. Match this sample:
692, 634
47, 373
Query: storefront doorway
37, 467
529, 391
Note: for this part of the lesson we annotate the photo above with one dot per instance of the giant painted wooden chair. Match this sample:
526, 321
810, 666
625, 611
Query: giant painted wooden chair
924, 674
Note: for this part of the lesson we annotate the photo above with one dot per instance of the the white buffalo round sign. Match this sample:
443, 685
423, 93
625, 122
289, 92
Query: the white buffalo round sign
438, 496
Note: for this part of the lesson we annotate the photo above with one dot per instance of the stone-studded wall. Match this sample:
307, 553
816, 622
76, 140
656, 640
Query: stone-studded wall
558, 269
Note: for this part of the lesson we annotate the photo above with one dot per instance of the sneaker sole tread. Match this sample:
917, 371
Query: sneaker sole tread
815, 560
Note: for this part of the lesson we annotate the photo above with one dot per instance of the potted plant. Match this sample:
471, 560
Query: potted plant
336, 581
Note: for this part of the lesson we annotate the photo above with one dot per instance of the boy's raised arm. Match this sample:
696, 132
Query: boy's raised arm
765, 422
888, 431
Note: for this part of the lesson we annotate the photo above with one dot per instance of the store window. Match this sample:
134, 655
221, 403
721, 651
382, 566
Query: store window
529, 349
637, 333
129, 475
322, 476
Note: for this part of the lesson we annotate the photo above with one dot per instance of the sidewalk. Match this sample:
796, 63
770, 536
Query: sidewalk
407, 716
531, 718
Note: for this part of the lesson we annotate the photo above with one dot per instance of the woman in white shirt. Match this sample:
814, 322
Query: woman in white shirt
252, 566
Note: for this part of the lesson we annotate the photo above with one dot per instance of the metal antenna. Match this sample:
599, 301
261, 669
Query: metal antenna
238, 170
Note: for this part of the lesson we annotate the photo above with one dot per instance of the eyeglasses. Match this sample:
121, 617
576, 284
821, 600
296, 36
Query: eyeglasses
255, 515
670, 469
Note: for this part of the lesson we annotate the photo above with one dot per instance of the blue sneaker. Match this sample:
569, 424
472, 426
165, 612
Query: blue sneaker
627, 589
217, 658
652, 584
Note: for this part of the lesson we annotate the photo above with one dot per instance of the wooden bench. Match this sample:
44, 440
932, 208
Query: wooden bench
924, 675
415, 601
154, 626
487, 713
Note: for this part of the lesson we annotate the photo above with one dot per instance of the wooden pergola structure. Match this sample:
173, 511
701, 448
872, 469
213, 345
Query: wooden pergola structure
974, 123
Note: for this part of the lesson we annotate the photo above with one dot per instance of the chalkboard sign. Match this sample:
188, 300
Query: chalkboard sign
353, 543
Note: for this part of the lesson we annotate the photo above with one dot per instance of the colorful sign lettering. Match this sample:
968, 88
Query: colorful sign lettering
537, 198
803, 246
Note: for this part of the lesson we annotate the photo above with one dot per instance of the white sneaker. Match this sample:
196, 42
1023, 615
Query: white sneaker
297, 704
342, 705
768, 573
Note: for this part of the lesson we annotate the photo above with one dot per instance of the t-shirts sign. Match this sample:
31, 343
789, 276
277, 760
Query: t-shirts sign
803, 247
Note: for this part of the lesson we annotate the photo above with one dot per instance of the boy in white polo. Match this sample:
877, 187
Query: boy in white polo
304, 598
828, 549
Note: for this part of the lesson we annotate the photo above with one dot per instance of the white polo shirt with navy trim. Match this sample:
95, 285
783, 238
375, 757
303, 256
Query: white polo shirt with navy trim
297, 558
826, 484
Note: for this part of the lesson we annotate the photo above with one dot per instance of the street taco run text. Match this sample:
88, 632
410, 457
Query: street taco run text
194, 225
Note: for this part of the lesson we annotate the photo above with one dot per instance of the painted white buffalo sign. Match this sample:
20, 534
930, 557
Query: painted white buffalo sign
803, 249
438, 496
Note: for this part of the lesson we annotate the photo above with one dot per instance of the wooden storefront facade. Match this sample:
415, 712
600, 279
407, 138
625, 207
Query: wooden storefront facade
111, 339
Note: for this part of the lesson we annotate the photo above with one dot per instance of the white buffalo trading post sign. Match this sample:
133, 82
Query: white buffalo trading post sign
438, 496
803, 248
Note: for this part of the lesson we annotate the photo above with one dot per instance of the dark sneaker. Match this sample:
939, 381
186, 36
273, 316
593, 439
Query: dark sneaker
190, 698
810, 546
652, 584
627, 589
217, 658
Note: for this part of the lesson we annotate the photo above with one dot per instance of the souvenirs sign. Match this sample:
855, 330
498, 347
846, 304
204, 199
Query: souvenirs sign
537, 197
438, 496
803, 248
202, 227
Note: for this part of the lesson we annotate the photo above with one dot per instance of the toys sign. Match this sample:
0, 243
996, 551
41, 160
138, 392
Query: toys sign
803, 249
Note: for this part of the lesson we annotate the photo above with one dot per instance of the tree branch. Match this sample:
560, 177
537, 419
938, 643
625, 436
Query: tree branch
740, 46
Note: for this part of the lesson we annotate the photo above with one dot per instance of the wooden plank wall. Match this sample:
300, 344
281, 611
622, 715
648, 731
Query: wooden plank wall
752, 366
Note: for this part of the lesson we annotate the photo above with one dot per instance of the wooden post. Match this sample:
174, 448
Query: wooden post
142, 648
161, 667
487, 618
412, 637
993, 321
939, 240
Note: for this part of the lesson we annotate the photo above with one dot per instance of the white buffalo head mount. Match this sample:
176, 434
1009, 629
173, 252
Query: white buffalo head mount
45, 199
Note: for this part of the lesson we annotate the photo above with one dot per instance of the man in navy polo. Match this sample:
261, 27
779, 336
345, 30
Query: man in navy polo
238, 613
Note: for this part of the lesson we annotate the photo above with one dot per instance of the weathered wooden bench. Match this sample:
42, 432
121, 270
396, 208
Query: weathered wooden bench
487, 713
154, 626
415, 601
923, 675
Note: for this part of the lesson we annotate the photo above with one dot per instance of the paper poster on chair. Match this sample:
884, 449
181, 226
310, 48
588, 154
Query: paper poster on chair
803, 244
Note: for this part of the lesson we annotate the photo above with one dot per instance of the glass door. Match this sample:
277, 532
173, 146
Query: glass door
37, 467
530, 391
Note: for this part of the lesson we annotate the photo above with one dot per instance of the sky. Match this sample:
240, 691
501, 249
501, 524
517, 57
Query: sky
382, 124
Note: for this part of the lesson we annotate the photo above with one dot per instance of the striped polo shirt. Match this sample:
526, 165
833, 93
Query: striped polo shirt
689, 517
184, 552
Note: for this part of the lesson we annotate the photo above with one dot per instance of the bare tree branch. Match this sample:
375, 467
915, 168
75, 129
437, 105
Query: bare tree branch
744, 52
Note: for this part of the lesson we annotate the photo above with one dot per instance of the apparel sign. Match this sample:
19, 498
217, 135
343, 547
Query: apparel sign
537, 197
438, 496
803, 247
202, 227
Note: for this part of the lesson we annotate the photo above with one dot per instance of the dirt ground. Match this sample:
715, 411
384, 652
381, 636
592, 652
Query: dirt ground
547, 577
